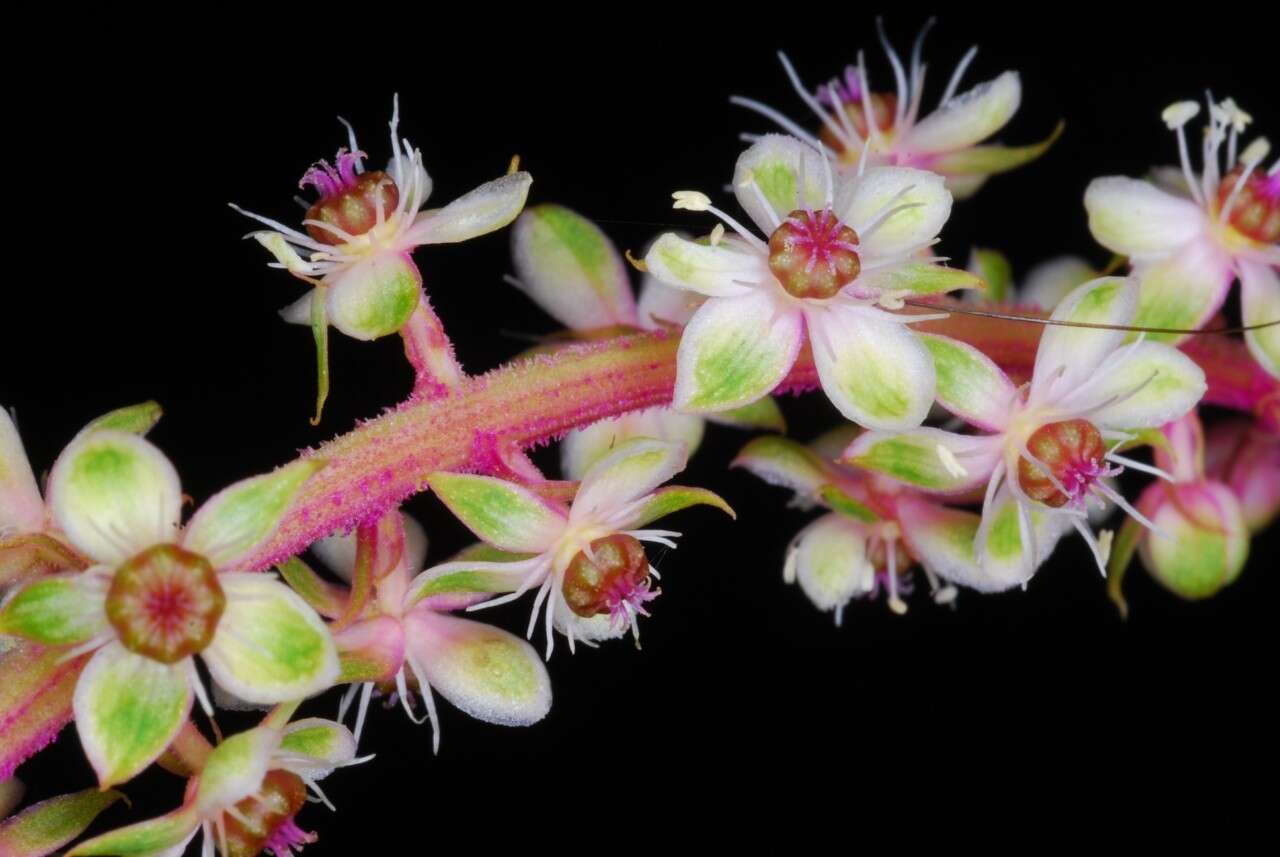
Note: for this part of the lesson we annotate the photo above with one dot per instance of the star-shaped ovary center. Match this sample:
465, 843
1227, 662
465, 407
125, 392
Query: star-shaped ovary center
165, 603
813, 255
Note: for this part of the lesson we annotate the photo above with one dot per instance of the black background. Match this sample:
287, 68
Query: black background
746, 708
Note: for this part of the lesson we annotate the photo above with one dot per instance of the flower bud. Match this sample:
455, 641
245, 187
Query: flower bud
1200, 542
813, 254
616, 573
165, 603
1072, 451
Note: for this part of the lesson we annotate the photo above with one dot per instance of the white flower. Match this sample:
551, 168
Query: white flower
585, 561
1190, 235
841, 251
865, 128
1051, 442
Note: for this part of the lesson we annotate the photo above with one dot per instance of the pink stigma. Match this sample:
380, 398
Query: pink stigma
287, 839
328, 181
625, 599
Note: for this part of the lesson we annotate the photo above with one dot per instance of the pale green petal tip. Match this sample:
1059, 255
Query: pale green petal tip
134, 419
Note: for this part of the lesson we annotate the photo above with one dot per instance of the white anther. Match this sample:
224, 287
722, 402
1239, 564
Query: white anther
950, 463
716, 234
892, 298
1105, 538
1180, 113
1238, 118
691, 200
1255, 153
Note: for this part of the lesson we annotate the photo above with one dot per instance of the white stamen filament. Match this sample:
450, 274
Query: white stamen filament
950, 463
782, 120
1254, 154
896, 604
954, 83
899, 74
805, 96
424, 690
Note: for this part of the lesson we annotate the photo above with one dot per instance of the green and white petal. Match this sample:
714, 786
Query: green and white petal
668, 501
1010, 545
489, 207
968, 118
21, 508
728, 269
236, 520
374, 297
501, 513
478, 570
928, 458
978, 162
1137, 219
919, 200
45, 827
570, 268
114, 494
876, 372
735, 351
660, 304
634, 469
789, 175
828, 560
314, 747
270, 645
235, 768
782, 461
62, 610
1069, 356
970, 384
135, 419
941, 539
582, 448
1147, 384
1049, 282
127, 710
1260, 298
156, 837
919, 278
1184, 290
486, 672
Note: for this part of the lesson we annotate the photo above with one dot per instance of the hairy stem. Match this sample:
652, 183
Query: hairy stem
537, 399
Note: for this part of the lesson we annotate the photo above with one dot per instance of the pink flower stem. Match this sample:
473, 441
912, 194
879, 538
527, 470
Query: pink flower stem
435, 369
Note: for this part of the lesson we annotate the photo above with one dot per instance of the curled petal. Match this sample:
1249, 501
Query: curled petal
486, 672
134, 419
114, 494
144, 839
1137, 219
481, 570
970, 117
876, 372
735, 351
478, 212
782, 461
668, 501
128, 708
988, 160
570, 268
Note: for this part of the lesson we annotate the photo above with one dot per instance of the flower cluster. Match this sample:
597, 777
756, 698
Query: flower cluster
966, 449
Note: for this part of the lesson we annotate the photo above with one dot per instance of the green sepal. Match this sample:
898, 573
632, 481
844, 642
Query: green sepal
47, 826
